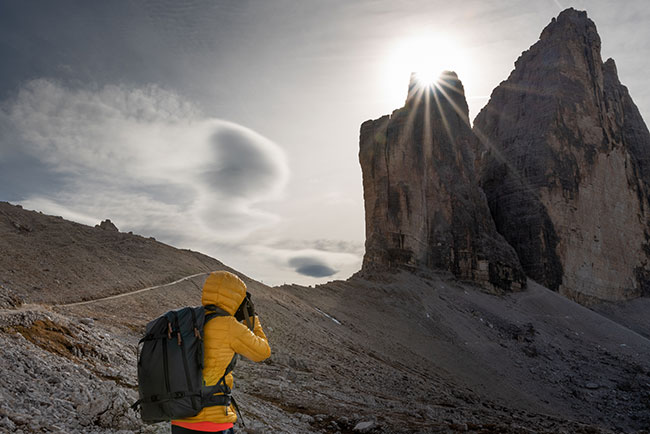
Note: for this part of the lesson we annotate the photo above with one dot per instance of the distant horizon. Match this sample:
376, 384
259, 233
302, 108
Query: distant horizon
232, 129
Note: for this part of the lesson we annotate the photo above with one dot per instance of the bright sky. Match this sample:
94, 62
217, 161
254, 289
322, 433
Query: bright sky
232, 127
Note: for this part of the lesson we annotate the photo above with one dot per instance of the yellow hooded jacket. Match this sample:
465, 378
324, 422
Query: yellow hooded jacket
223, 337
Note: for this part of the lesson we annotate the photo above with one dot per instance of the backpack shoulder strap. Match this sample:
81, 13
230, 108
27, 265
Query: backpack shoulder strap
220, 393
213, 311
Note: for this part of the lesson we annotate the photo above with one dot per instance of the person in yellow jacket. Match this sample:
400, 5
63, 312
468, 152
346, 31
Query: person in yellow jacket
223, 337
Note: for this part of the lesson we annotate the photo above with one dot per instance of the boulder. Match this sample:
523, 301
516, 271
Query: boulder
107, 225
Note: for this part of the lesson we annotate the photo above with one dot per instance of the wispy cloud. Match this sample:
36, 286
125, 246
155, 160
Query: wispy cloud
155, 165
323, 245
147, 159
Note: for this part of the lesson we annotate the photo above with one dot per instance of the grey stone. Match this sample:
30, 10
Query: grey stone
364, 426
7, 424
20, 419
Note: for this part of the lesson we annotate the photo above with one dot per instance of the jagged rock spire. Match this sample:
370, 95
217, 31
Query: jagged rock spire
565, 166
423, 205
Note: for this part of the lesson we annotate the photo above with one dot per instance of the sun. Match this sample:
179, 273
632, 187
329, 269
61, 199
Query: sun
427, 55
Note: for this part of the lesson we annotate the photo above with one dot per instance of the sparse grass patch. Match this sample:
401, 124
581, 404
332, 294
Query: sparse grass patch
54, 338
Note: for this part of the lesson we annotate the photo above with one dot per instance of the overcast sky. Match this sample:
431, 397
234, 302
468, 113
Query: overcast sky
232, 127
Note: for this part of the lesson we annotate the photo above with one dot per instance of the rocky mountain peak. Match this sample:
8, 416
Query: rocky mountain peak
571, 24
424, 208
568, 50
610, 67
446, 92
566, 166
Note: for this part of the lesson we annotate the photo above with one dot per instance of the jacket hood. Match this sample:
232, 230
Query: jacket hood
224, 290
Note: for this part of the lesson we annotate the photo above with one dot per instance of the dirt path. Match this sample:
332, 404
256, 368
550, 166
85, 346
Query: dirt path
126, 294
41, 307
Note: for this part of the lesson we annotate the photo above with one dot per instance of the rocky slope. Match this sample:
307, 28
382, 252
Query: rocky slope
566, 167
48, 259
403, 353
422, 201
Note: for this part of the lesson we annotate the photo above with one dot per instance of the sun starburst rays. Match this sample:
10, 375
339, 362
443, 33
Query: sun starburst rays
425, 54
427, 79
435, 94
440, 92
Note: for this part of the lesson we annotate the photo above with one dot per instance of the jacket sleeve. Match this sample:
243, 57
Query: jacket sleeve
251, 344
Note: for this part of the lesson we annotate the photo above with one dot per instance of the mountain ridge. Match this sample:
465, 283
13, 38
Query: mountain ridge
113, 261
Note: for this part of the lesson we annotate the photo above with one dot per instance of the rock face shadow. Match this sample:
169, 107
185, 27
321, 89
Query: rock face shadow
563, 162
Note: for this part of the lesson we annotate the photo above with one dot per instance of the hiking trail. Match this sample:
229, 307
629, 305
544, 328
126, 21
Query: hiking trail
41, 307
126, 294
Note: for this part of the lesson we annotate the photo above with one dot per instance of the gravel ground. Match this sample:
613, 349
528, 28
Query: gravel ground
423, 355
401, 353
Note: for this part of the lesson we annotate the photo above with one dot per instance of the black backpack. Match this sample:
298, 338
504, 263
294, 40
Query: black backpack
170, 367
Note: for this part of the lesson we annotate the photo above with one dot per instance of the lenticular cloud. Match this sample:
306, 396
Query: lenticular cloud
145, 157
244, 164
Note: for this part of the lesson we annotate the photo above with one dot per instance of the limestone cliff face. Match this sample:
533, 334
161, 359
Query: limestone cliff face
565, 165
422, 201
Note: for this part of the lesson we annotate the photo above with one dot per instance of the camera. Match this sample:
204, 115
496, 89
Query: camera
246, 310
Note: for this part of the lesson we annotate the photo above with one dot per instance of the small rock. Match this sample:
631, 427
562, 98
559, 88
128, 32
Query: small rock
291, 375
20, 419
87, 321
8, 424
21, 227
364, 426
591, 385
107, 225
